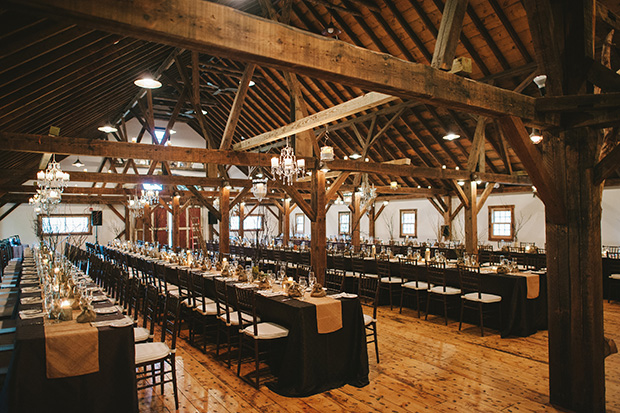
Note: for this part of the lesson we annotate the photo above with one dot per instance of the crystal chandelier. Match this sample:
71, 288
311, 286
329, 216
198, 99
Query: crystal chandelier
51, 183
367, 192
150, 194
136, 206
259, 188
287, 166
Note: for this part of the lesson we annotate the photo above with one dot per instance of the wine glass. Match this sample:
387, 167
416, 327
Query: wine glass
282, 272
303, 283
311, 279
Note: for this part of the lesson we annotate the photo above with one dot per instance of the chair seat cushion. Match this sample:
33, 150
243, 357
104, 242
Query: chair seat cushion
146, 352
369, 320
234, 318
391, 280
198, 301
266, 331
484, 297
416, 285
615, 276
140, 334
438, 289
209, 309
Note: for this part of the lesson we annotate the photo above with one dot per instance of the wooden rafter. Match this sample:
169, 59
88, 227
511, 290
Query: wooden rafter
449, 33
381, 73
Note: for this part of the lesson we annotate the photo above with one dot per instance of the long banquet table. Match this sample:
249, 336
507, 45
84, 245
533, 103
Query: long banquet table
520, 316
309, 362
111, 389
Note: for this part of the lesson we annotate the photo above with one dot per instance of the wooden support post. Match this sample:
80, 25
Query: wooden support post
371, 223
318, 241
224, 222
355, 221
147, 235
471, 218
176, 220
286, 225
449, 33
129, 235
241, 218
447, 216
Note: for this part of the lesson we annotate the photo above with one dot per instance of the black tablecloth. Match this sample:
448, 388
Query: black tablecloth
520, 316
310, 362
111, 389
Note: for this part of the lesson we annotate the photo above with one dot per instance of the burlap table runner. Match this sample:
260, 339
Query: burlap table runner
71, 349
328, 313
533, 284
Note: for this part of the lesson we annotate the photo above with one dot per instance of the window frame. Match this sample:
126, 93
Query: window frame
341, 214
494, 208
415, 224
303, 224
51, 234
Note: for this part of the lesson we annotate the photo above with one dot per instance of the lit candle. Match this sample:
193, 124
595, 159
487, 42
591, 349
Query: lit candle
274, 162
66, 312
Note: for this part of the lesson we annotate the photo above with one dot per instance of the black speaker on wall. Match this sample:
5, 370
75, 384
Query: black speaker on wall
96, 218
445, 231
211, 218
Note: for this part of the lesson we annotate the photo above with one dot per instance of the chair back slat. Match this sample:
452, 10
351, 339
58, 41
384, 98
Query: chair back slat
436, 272
369, 293
246, 304
470, 279
221, 299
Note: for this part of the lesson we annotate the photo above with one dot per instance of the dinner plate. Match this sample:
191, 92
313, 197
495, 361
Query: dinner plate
106, 310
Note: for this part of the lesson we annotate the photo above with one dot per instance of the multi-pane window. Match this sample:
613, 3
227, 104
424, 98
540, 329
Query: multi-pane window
250, 223
501, 223
299, 224
65, 225
344, 223
408, 223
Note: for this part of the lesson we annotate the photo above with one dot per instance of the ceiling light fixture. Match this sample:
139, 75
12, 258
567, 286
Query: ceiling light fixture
287, 166
355, 156
107, 129
541, 82
77, 163
147, 82
536, 136
331, 31
451, 136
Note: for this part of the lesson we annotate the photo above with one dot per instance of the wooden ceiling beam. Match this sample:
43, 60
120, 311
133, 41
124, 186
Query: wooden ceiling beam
449, 33
76, 146
235, 111
316, 120
211, 28
424, 172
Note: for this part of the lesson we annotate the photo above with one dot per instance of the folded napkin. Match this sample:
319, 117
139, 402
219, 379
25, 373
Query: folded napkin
71, 349
27, 314
328, 314
268, 293
31, 300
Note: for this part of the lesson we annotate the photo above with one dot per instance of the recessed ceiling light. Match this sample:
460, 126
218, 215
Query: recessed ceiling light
355, 156
451, 136
147, 83
107, 129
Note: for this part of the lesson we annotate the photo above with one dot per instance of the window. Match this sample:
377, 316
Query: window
408, 223
344, 220
501, 223
65, 225
299, 223
250, 223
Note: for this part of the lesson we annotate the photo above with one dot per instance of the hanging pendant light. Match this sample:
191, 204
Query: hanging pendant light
287, 167
77, 163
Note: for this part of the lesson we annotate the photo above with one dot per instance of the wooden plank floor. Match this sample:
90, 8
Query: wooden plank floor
425, 366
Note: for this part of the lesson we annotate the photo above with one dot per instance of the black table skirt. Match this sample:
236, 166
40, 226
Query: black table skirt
111, 389
307, 362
